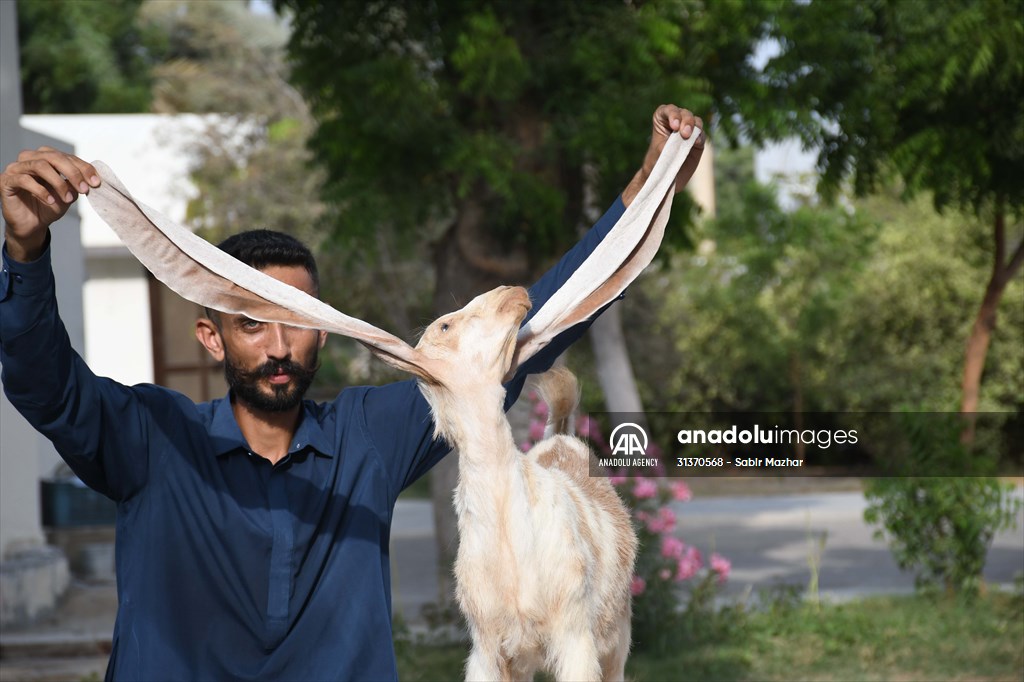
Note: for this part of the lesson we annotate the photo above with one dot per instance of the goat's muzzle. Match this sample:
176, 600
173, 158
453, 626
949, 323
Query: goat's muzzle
513, 298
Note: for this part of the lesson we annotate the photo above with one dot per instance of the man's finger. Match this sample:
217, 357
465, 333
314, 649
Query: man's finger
80, 175
687, 122
88, 171
63, 189
66, 164
26, 183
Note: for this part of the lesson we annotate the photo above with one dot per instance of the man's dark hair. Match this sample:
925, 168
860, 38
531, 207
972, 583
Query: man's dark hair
262, 248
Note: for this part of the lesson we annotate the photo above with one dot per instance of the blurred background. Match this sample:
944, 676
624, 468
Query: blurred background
852, 243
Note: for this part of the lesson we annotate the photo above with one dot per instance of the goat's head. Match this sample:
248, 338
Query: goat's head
471, 347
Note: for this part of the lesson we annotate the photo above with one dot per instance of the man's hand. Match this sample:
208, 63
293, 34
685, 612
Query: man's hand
36, 191
668, 119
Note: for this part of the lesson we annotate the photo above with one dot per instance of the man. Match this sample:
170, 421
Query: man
252, 533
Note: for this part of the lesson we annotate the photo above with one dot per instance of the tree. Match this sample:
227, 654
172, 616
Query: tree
927, 91
868, 297
85, 56
477, 119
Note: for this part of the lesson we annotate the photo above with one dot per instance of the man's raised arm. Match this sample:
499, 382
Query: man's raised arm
94, 423
668, 119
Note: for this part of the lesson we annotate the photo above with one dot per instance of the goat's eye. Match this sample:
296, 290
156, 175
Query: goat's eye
444, 326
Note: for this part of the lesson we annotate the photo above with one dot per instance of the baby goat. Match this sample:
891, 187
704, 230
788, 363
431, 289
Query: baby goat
545, 551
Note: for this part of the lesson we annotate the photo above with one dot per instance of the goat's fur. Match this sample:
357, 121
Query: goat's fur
546, 551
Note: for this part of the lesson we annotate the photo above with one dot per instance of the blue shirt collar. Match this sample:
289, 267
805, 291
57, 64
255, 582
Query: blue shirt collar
227, 437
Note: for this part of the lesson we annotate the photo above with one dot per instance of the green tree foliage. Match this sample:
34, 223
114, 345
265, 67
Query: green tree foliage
928, 90
430, 110
870, 299
219, 57
749, 311
85, 56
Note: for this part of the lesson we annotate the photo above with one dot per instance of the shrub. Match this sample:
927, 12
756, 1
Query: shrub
941, 527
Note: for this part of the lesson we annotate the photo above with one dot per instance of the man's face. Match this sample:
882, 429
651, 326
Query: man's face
269, 366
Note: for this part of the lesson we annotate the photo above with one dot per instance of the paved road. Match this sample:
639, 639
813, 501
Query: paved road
767, 539
770, 539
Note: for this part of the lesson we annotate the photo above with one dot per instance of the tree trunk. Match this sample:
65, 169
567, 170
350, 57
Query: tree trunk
985, 321
614, 370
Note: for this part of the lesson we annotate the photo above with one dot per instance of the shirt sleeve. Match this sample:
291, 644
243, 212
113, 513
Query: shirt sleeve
546, 286
398, 416
96, 424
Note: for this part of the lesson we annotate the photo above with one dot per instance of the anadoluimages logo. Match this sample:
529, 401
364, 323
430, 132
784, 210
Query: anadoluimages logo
628, 439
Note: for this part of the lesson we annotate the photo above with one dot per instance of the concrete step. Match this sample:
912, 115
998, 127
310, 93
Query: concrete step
84, 668
30, 645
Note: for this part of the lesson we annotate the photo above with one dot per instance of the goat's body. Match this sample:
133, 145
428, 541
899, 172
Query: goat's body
545, 557
546, 552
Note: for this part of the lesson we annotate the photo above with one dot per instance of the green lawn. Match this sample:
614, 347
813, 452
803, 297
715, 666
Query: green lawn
885, 638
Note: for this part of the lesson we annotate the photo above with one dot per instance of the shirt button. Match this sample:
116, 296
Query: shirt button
18, 278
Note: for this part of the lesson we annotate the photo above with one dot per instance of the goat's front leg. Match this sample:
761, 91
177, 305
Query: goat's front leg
576, 658
486, 664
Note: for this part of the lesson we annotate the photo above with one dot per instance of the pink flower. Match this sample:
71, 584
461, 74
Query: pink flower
541, 410
536, 430
645, 489
689, 564
638, 586
668, 517
642, 516
672, 547
680, 491
525, 446
532, 396
618, 479
664, 522
721, 566
664, 574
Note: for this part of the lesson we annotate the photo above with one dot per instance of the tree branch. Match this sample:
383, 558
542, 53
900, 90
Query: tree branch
1015, 262
1000, 237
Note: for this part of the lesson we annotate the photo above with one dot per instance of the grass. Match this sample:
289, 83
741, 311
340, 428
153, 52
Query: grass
904, 638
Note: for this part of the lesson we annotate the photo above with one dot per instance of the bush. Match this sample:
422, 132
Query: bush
941, 527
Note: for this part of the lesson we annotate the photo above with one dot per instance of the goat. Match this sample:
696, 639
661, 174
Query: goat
546, 552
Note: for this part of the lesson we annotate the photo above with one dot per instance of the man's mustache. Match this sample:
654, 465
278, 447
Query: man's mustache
272, 367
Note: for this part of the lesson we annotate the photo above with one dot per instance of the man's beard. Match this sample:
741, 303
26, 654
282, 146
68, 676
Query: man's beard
246, 384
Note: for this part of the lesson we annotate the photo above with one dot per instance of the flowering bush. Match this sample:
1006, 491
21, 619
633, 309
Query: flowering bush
665, 563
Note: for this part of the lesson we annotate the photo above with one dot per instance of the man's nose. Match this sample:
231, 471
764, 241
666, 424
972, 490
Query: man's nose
279, 345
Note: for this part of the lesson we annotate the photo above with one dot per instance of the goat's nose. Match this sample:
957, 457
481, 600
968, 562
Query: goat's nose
515, 297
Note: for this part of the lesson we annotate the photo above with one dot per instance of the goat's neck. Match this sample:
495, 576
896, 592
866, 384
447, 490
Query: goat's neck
473, 420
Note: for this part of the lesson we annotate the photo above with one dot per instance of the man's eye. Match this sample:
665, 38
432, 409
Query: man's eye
250, 324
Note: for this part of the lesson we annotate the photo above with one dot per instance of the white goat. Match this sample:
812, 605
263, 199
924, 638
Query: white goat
546, 552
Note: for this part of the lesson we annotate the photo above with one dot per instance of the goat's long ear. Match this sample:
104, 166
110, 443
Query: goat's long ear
618, 259
200, 272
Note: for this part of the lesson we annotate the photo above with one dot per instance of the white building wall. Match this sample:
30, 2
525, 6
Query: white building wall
149, 153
